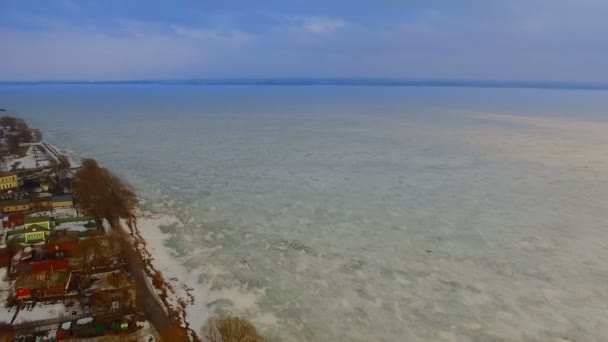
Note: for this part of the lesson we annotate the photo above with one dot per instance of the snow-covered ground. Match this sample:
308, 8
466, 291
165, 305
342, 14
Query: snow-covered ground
43, 311
5, 291
85, 320
178, 276
64, 212
57, 213
35, 157
74, 226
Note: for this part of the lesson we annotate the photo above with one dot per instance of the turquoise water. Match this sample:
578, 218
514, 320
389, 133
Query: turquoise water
365, 213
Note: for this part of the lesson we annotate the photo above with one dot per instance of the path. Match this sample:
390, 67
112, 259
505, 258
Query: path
155, 310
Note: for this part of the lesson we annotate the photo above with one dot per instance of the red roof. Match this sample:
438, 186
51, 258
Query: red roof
16, 217
49, 265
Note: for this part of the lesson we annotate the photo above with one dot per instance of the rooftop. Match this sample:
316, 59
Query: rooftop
56, 278
38, 219
45, 266
63, 198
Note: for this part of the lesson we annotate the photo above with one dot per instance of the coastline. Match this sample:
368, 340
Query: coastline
166, 313
180, 298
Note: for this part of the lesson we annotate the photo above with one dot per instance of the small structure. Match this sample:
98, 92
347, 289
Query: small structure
63, 201
8, 181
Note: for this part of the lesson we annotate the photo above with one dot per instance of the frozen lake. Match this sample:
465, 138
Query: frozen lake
365, 213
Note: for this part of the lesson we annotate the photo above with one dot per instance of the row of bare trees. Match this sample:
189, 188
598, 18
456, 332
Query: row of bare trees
101, 193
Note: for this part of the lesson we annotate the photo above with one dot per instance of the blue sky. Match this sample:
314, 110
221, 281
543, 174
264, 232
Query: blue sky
563, 40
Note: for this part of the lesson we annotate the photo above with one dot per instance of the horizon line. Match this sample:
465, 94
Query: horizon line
335, 81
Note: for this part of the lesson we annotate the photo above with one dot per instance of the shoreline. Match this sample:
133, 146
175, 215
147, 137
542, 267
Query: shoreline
148, 240
163, 306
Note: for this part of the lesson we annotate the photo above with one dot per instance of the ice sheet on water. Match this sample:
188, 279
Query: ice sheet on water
356, 224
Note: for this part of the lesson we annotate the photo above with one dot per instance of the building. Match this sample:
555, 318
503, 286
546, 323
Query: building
8, 181
42, 280
31, 234
14, 206
37, 229
63, 201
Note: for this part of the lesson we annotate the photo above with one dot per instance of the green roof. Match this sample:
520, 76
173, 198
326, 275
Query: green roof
30, 229
15, 232
39, 219
74, 219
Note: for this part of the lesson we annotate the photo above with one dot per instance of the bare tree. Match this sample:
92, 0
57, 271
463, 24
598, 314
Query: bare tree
97, 252
230, 329
101, 193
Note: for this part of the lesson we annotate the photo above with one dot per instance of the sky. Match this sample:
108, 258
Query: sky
518, 40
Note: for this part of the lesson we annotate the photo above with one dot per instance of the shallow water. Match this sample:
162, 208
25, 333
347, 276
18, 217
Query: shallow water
365, 213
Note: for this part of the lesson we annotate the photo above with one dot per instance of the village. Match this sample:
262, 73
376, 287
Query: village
63, 274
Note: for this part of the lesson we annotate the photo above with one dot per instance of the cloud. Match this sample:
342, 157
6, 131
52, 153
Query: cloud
322, 25
230, 37
434, 39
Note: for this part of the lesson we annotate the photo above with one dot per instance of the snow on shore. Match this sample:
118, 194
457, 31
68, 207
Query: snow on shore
200, 294
184, 281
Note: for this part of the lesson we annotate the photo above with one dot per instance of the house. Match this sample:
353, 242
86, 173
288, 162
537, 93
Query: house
14, 206
37, 229
63, 201
42, 280
31, 234
8, 181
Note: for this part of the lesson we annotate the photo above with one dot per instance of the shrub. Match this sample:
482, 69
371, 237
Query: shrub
229, 329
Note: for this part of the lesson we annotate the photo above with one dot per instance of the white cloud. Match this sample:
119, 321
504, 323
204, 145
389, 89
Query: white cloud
322, 25
231, 37
436, 46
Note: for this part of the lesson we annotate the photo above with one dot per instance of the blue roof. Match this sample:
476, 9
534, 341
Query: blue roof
64, 198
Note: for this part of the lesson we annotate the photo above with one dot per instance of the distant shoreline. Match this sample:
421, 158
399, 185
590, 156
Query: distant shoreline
360, 82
